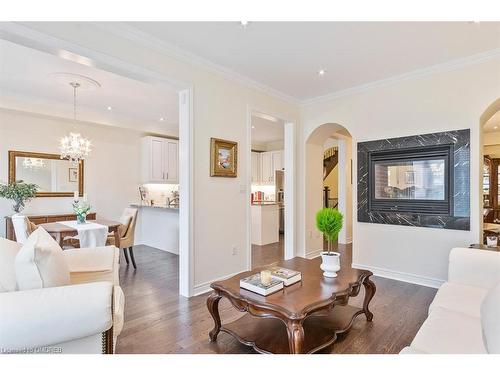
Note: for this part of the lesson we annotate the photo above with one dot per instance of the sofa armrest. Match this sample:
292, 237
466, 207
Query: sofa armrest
480, 268
43, 317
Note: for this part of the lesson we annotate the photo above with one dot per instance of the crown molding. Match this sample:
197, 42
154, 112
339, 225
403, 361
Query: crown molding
151, 42
415, 74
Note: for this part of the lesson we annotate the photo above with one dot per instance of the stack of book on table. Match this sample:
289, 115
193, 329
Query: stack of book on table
280, 277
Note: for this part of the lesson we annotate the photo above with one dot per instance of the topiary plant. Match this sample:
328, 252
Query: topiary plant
20, 192
329, 221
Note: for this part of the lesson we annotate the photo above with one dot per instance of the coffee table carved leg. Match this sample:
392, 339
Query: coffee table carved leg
295, 336
370, 289
213, 308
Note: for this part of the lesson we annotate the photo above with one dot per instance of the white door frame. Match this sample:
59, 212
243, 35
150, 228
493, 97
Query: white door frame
31, 38
289, 191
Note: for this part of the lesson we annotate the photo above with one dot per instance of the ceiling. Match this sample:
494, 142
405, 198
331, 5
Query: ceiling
267, 129
493, 124
27, 84
287, 56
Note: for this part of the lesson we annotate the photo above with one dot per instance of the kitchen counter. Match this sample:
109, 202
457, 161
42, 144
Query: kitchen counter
158, 227
265, 223
174, 208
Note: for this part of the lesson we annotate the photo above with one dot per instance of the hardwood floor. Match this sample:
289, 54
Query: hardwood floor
158, 320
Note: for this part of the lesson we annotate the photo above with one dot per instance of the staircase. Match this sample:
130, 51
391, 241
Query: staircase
330, 160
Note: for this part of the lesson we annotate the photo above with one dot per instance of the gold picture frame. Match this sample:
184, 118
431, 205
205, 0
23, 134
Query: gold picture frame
223, 158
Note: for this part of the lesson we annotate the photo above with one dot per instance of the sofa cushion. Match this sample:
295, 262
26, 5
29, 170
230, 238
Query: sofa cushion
8, 252
95, 264
449, 332
460, 298
40, 263
490, 314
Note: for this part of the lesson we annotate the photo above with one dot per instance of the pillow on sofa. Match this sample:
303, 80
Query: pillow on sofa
40, 263
8, 253
490, 313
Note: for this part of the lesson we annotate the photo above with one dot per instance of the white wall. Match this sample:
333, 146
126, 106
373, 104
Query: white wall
220, 110
438, 102
112, 174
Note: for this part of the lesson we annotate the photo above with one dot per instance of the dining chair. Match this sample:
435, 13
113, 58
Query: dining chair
126, 231
23, 227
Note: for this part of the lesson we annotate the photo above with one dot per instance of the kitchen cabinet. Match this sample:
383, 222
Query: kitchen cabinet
271, 162
160, 160
256, 167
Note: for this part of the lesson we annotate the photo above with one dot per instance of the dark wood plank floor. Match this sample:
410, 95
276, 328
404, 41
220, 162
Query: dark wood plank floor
158, 320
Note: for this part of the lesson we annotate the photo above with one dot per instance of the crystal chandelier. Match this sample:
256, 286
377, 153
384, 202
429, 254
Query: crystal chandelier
33, 163
74, 147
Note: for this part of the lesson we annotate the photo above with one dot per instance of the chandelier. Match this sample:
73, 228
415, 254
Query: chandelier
33, 163
74, 147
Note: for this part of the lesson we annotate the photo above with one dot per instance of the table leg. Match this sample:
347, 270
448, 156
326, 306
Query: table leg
213, 308
295, 336
370, 289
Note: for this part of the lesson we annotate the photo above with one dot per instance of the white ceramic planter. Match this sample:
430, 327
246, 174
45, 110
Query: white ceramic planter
331, 263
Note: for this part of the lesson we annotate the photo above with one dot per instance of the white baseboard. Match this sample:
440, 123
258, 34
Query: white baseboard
205, 287
402, 276
313, 254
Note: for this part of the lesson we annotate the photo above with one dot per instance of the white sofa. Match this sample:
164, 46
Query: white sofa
464, 315
84, 317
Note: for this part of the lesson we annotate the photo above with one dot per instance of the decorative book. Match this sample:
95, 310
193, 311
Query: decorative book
253, 284
288, 277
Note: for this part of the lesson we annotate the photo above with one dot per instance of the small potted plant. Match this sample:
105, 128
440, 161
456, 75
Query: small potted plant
20, 192
81, 210
329, 222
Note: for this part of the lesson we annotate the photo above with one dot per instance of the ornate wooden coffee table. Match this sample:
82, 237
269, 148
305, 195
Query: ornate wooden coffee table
303, 318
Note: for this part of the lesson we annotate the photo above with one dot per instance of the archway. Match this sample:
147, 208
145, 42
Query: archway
314, 176
489, 157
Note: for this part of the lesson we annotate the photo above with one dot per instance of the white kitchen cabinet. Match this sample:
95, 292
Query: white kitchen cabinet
160, 160
256, 167
271, 162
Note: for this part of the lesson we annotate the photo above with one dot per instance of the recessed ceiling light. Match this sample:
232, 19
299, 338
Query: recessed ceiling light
162, 119
321, 72
110, 108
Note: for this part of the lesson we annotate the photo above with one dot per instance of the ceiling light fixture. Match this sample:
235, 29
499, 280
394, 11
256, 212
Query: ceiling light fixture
162, 119
253, 127
495, 127
244, 24
74, 147
110, 108
321, 72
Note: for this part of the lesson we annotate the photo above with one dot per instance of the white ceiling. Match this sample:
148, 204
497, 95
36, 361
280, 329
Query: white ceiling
493, 124
26, 85
286, 56
265, 130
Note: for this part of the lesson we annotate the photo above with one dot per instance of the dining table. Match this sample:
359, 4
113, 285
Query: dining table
60, 231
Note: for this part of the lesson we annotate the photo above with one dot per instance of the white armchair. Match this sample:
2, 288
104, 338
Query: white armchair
84, 317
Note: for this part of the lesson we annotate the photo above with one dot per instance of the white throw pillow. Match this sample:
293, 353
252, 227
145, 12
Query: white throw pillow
490, 313
40, 263
8, 253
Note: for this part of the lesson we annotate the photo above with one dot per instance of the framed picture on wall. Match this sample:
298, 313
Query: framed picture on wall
73, 174
223, 158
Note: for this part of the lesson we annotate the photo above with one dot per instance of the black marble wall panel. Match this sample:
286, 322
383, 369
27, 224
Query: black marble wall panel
460, 220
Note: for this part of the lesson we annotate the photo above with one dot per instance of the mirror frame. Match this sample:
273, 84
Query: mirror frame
27, 154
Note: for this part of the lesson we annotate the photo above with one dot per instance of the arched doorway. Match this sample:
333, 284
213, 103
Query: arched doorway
318, 141
489, 152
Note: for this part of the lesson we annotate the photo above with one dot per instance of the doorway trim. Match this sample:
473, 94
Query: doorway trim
30, 38
289, 157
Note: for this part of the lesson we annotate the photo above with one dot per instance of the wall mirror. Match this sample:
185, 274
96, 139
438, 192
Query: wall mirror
54, 176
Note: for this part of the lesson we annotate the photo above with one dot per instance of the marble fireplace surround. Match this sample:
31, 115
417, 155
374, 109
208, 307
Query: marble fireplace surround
459, 140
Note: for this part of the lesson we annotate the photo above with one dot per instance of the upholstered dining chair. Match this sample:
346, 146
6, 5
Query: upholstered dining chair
126, 230
23, 227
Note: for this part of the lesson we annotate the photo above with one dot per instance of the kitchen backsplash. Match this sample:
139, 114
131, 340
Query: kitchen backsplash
160, 192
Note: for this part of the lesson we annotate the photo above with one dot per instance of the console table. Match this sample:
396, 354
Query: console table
41, 219
303, 318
